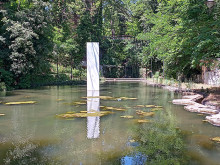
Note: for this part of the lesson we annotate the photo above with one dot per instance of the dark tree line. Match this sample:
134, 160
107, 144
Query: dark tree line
176, 35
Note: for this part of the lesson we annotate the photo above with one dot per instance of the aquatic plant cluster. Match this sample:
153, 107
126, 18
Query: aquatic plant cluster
106, 110
161, 141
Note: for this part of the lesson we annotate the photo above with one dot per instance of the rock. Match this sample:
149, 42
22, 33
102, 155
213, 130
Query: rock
191, 105
214, 119
200, 109
183, 102
193, 97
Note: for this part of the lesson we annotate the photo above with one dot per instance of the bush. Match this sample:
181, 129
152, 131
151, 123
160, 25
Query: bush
25, 82
7, 78
62, 77
2, 86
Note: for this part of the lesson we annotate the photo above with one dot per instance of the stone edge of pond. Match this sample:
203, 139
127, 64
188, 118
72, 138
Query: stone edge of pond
191, 100
191, 104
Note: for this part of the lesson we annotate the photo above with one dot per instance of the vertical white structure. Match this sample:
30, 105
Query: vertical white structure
93, 100
93, 123
92, 66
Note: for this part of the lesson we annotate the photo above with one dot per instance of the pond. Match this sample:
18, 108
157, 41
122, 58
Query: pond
142, 126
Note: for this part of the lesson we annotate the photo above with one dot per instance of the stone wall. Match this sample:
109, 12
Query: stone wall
212, 77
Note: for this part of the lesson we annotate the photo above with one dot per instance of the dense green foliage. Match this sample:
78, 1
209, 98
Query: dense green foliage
176, 36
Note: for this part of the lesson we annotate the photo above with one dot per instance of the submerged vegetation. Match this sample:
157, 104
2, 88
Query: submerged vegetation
161, 141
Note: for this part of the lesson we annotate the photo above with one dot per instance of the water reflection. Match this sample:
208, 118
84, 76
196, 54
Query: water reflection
136, 159
93, 123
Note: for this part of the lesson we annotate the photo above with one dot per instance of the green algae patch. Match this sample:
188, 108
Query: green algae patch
125, 98
156, 109
83, 114
216, 139
112, 108
79, 103
59, 99
140, 106
150, 106
66, 116
147, 106
127, 117
158, 106
143, 121
20, 103
146, 114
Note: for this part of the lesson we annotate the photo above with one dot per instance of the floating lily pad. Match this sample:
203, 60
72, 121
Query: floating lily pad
112, 108
216, 139
84, 114
127, 117
95, 114
144, 113
1, 114
59, 99
143, 121
158, 106
18, 103
156, 109
148, 114
139, 112
66, 116
132, 141
79, 103
150, 106
141, 106
126, 98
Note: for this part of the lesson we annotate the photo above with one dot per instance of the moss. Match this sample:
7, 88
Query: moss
216, 139
19, 103
127, 117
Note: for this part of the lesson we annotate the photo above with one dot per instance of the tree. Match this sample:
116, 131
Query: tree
26, 42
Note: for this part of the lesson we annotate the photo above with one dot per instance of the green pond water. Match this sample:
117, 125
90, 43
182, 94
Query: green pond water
33, 134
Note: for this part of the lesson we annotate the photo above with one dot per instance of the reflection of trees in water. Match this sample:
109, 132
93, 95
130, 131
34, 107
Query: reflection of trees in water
161, 141
21, 148
23, 151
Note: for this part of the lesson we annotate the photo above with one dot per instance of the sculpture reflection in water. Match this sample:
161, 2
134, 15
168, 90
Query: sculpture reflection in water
93, 122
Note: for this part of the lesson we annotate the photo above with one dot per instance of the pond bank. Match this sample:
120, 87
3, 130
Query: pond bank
197, 100
59, 83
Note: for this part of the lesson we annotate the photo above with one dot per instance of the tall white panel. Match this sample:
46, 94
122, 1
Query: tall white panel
92, 66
